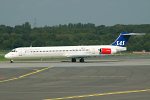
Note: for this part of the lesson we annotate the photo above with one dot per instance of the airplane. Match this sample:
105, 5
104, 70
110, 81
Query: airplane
72, 52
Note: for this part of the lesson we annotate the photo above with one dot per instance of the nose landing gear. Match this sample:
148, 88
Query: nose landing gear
11, 61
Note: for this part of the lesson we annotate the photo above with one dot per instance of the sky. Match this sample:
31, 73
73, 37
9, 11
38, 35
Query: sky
40, 13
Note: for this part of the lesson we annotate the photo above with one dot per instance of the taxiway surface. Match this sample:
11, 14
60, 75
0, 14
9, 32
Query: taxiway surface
106, 78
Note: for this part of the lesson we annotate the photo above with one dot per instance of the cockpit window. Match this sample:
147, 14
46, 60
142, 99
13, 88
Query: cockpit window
14, 50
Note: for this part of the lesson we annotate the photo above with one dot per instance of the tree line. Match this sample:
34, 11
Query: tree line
72, 35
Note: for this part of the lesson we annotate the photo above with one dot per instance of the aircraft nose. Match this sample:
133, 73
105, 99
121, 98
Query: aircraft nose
8, 56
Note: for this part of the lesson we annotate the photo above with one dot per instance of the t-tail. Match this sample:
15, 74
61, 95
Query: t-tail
123, 38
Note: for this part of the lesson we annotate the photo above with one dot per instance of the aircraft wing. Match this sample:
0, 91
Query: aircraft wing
80, 56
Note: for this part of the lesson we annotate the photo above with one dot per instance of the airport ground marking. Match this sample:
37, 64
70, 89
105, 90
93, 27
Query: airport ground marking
85, 77
2, 78
72, 77
37, 71
102, 94
101, 76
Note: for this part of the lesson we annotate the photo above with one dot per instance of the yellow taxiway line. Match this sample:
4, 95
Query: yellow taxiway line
37, 71
102, 94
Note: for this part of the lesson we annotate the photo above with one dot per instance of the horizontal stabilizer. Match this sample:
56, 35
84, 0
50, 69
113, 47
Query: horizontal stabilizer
134, 34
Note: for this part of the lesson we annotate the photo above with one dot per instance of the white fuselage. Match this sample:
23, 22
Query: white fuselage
60, 52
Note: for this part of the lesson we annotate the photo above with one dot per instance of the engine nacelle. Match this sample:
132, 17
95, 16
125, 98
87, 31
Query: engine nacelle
107, 51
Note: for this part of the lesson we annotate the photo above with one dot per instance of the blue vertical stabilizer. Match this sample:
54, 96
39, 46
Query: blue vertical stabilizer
123, 38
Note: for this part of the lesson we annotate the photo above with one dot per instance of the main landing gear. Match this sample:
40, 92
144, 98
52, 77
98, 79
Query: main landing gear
74, 60
81, 59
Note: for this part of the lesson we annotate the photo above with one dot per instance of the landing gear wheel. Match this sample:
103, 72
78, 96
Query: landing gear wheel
11, 61
73, 60
81, 59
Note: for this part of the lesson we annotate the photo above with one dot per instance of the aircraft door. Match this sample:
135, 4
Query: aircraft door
20, 52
